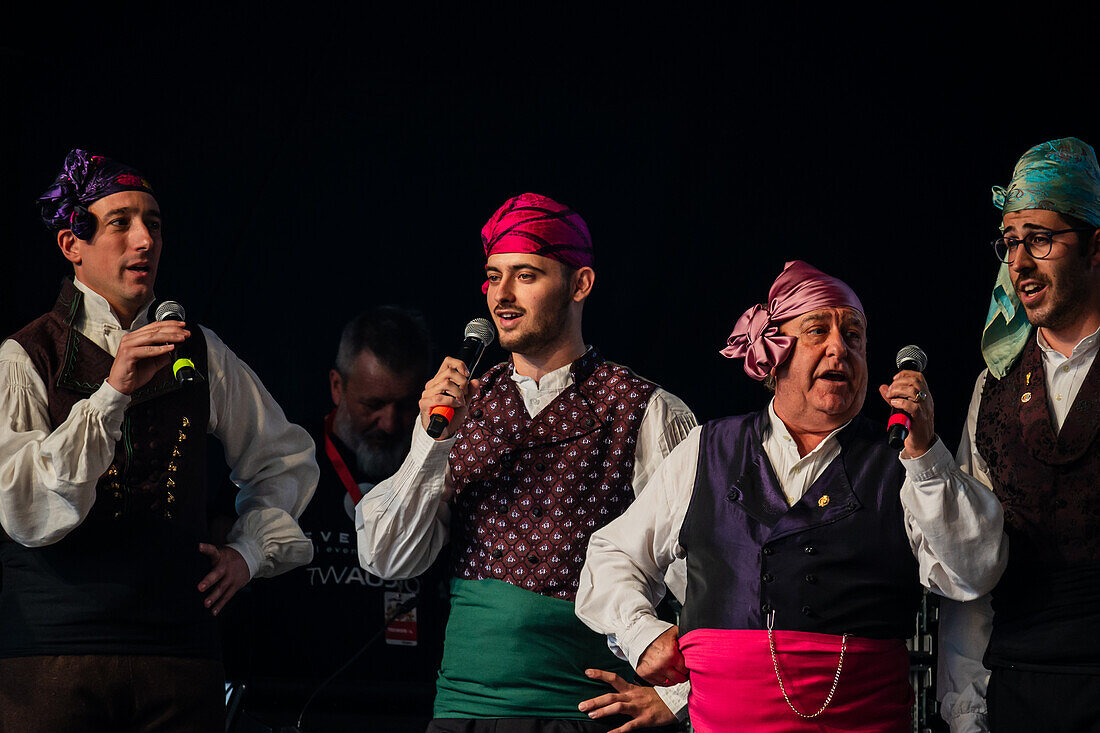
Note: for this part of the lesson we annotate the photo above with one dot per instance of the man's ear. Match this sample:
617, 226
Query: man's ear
583, 280
70, 246
1093, 249
336, 384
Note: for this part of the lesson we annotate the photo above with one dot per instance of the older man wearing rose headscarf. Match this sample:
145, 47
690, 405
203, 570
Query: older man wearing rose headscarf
806, 543
542, 450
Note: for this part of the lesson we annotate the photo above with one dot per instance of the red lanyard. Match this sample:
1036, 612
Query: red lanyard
338, 462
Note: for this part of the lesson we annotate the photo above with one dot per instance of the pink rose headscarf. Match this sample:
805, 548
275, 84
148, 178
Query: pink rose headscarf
534, 224
799, 289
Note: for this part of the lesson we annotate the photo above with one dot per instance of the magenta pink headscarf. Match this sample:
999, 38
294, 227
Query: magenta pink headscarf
534, 224
799, 289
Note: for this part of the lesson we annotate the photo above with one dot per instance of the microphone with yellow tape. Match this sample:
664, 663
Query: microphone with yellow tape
182, 366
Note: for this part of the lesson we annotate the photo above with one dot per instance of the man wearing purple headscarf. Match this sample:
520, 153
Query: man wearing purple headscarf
543, 449
806, 541
110, 583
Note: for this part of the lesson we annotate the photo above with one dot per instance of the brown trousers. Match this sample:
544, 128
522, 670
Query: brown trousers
105, 693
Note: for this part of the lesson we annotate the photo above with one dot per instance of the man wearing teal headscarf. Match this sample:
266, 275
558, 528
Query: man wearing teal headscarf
1027, 657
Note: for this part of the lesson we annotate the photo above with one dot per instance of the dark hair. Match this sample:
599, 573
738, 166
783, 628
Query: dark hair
397, 336
1083, 237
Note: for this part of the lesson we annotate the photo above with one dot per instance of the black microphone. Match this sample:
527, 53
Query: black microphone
913, 359
479, 333
182, 366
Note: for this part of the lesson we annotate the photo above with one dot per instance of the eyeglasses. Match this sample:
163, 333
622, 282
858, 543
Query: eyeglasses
1037, 244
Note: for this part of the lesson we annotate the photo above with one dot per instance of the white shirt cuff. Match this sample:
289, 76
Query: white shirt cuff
636, 639
936, 462
111, 404
675, 697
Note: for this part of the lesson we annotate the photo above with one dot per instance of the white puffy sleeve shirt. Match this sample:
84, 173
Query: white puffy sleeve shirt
48, 478
404, 521
948, 525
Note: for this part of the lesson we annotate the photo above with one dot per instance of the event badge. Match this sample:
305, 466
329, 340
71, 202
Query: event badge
402, 631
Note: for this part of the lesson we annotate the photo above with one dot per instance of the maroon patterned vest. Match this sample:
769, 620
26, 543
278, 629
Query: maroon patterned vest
159, 465
1046, 480
529, 492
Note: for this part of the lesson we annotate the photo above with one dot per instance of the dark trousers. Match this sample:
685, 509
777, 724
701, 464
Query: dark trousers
1021, 701
105, 693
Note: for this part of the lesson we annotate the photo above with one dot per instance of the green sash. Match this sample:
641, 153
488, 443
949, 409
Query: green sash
511, 653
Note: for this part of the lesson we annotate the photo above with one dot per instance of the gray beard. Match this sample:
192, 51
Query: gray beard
372, 461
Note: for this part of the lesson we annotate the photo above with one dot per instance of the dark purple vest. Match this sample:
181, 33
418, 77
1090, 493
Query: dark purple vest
1047, 604
124, 580
836, 562
529, 492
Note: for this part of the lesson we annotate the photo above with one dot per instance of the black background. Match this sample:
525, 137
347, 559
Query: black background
315, 162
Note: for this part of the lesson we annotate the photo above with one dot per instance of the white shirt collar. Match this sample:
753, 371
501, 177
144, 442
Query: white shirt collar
556, 380
98, 314
778, 428
1086, 345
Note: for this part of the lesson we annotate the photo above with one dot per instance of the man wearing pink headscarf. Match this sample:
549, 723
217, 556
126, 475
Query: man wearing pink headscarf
806, 541
542, 450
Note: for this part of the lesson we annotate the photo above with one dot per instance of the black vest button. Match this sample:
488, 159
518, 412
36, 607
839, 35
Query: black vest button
589, 422
767, 551
767, 577
807, 611
766, 608
810, 550
497, 554
540, 466
477, 414
536, 512
532, 558
811, 578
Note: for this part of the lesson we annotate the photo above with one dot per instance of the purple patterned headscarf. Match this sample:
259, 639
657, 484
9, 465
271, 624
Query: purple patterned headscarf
799, 289
84, 179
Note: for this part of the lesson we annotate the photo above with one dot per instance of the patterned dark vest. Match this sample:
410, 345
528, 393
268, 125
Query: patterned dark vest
836, 562
159, 464
529, 492
1047, 604
1046, 480
124, 580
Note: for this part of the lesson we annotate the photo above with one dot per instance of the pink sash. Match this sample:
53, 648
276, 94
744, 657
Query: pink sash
734, 688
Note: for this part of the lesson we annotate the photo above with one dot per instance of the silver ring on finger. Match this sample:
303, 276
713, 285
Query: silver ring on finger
921, 397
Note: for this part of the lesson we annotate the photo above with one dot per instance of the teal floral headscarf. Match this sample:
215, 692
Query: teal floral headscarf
1059, 175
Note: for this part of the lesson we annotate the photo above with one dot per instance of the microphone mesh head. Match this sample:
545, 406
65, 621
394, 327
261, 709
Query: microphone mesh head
914, 354
480, 329
170, 309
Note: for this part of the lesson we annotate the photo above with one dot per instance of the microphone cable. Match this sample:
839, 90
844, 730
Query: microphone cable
406, 606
